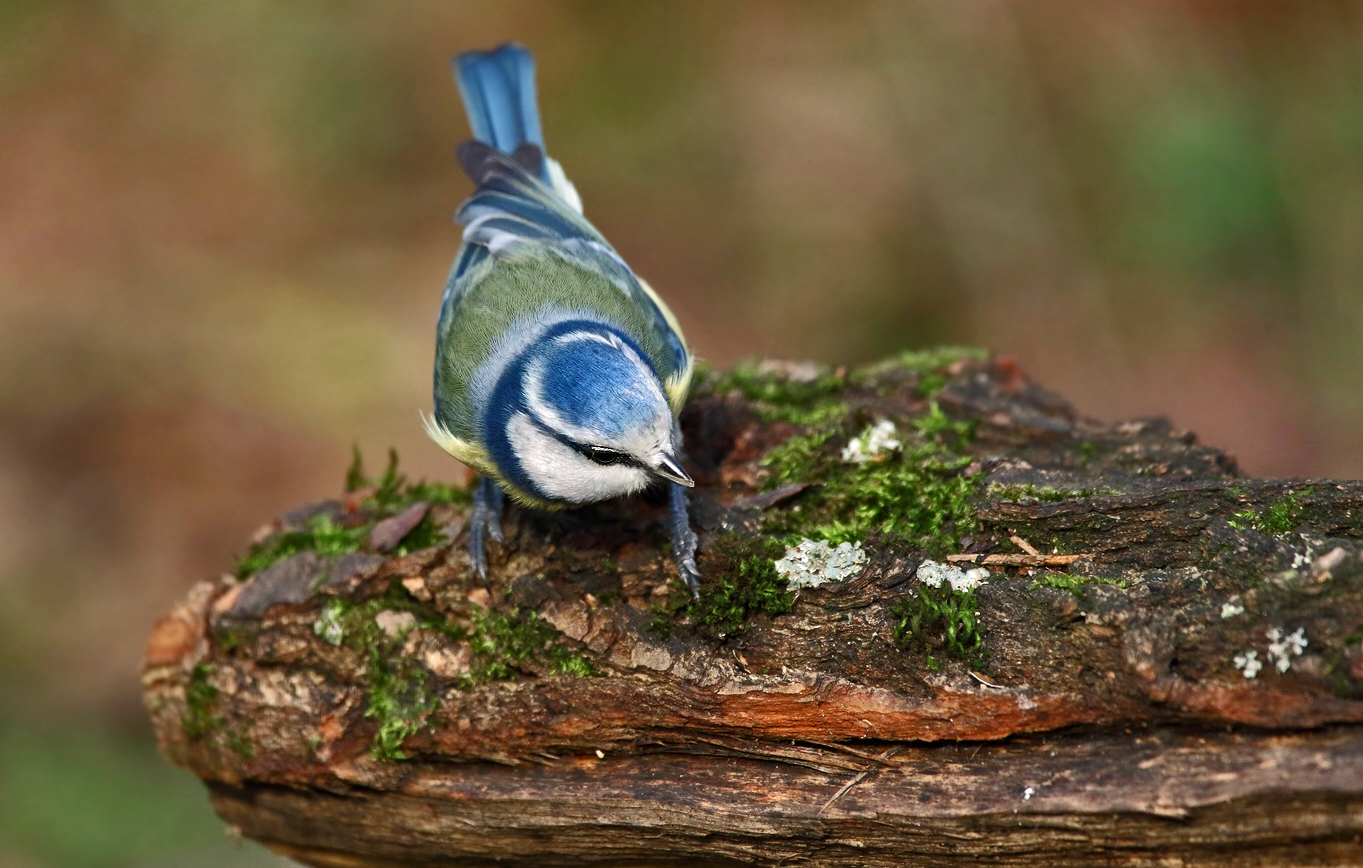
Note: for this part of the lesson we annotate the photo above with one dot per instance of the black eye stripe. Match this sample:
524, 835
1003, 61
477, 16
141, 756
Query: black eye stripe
594, 454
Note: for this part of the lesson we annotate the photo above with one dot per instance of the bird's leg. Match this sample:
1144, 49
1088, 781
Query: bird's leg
683, 537
485, 522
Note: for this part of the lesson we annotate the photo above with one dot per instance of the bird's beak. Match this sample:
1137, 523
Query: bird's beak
670, 468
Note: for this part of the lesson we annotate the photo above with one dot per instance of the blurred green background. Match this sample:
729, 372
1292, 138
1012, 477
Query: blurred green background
224, 230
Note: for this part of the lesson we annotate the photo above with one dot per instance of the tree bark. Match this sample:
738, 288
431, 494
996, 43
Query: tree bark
1164, 662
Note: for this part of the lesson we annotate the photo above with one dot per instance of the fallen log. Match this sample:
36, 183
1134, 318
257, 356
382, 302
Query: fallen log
943, 617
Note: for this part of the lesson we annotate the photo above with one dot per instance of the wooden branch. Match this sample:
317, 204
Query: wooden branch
1174, 670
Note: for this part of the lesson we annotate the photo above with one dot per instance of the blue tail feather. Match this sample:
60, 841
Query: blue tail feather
498, 88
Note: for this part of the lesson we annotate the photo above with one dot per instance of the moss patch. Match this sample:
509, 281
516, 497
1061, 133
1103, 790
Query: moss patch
919, 494
200, 697
200, 720
742, 583
1073, 583
929, 367
398, 686
322, 535
401, 690
749, 585
940, 618
507, 645
330, 534
1337, 669
1030, 493
777, 396
1282, 516
393, 492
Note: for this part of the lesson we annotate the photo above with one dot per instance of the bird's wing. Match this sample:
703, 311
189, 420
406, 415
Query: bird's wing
513, 214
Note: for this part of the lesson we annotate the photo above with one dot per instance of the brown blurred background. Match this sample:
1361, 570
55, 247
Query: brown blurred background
224, 230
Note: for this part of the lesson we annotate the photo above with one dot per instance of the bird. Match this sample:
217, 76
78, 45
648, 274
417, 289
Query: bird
559, 373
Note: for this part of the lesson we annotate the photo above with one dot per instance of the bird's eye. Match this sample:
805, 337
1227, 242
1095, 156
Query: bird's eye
603, 456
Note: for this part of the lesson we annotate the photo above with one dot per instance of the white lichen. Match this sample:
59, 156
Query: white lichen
870, 444
1283, 647
328, 623
814, 562
933, 574
1232, 608
1249, 663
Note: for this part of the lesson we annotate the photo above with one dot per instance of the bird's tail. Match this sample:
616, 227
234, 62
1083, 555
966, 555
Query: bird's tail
498, 88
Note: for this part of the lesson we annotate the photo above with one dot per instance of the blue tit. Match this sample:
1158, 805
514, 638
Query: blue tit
559, 373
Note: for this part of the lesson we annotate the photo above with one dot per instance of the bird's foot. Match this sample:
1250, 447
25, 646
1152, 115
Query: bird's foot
683, 538
485, 522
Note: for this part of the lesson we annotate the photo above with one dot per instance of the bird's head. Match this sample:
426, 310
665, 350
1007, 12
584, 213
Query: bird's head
589, 419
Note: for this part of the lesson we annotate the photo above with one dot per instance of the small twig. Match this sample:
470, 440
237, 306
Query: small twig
1024, 545
861, 776
1017, 560
851, 751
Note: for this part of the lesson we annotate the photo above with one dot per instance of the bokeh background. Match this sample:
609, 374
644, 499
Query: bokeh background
224, 230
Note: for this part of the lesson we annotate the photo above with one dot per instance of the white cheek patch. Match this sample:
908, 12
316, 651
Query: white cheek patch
561, 472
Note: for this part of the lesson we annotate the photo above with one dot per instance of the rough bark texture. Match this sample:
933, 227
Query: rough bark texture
1190, 687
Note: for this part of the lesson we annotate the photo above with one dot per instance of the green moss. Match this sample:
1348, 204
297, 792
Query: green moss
664, 621
322, 535
795, 459
506, 645
919, 494
773, 386
400, 690
940, 617
1245, 519
239, 745
1338, 666
742, 583
936, 426
1073, 583
400, 701
930, 365
200, 720
231, 635
1088, 450
1282, 516
1029, 493
425, 535
200, 698
391, 494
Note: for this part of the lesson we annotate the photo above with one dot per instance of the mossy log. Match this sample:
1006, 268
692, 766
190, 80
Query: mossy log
1139, 657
